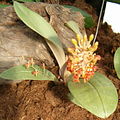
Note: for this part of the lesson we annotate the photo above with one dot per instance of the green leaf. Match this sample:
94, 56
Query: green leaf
114, 1
22, 73
25, 0
74, 27
117, 62
38, 0
88, 18
29, 0
42, 27
3, 6
98, 96
72, 99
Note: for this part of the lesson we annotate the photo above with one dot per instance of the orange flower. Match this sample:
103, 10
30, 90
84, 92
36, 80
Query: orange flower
29, 63
35, 72
82, 59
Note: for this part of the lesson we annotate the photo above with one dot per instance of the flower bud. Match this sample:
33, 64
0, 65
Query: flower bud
95, 46
70, 50
98, 57
91, 37
74, 42
85, 38
78, 37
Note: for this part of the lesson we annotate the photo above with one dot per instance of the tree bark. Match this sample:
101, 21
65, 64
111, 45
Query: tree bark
52, 1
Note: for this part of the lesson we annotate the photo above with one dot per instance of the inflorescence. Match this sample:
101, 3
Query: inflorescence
82, 59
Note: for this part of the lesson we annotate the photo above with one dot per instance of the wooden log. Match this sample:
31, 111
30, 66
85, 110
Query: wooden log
52, 1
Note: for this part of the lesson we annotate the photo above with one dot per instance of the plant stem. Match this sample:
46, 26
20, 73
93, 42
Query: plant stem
98, 24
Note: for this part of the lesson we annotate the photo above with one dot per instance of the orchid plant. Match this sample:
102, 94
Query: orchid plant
88, 89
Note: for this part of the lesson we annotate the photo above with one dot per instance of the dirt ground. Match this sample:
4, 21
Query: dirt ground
44, 100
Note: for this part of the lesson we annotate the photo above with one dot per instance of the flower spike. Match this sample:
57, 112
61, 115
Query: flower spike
82, 59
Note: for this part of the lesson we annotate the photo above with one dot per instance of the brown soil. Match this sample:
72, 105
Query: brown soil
44, 100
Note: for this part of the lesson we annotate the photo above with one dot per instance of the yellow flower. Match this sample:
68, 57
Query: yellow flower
82, 59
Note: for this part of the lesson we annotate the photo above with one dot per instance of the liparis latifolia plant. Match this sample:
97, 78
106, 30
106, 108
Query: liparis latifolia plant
89, 89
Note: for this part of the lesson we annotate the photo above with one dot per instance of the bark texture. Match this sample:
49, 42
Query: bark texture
52, 1
17, 40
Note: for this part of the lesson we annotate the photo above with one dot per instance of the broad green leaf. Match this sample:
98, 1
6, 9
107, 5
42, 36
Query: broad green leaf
114, 1
117, 62
25, 0
3, 6
29, 0
74, 27
88, 18
21, 73
42, 27
38, 0
72, 99
98, 96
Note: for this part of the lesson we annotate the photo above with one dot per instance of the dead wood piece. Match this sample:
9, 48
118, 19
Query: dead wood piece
52, 1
